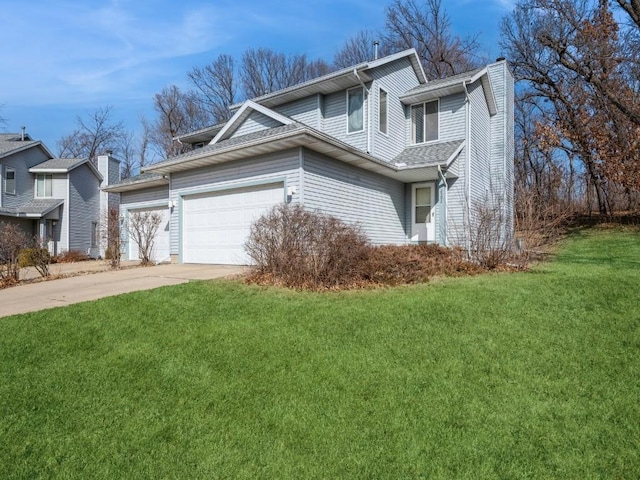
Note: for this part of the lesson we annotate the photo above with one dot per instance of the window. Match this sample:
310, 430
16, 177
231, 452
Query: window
43, 185
355, 110
94, 234
10, 181
382, 111
424, 122
423, 205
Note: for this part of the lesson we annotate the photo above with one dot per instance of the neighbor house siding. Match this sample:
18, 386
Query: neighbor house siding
84, 207
304, 110
395, 78
25, 181
356, 196
254, 123
280, 166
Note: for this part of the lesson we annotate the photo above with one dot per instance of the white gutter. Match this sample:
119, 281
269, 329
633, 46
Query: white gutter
355, 72
468, 155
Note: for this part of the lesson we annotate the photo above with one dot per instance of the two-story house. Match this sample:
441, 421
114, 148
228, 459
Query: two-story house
57, 200
377, 144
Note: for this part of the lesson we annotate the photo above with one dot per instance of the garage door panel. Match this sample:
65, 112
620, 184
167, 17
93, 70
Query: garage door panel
216, 225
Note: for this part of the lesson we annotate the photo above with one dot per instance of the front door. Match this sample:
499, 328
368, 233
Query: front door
423, 213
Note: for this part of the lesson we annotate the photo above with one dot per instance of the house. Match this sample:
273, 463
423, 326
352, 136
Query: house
57, 200
378, 144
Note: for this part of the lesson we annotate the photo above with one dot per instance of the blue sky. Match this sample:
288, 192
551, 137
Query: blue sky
64, 58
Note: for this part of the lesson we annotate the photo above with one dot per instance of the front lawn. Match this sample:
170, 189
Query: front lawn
528, 375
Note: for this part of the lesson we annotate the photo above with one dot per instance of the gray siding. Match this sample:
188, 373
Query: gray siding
395, 78
451, 120
84, 207
374, 202
335, 120
255, 123
25, 181
480, 149
305, 110
263, 169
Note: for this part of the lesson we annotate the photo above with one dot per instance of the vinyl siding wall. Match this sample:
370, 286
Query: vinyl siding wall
281, 166
334, 120
255, 123
480, 149
147, 197
395, 78
356, 196
84, 207
451, 121
25, 181
305, 110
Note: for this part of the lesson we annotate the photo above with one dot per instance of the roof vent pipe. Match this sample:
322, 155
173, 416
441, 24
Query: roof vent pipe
376, 43
23, 133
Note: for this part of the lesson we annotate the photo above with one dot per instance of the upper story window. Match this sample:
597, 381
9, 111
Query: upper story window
355, 110
10, 181
424, 122
44, 185
382, 111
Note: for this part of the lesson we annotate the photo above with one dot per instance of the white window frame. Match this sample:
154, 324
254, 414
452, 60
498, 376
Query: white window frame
386, 117
424, 113
44, 177
8, 170
349, 131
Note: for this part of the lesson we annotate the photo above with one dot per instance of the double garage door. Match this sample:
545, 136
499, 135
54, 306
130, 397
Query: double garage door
216, 225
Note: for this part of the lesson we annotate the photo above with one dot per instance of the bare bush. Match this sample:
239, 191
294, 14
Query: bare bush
70, 256
112, 237
12, 241
143, 227
303, 249
36, 256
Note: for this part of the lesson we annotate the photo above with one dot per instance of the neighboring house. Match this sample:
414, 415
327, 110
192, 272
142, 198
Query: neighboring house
409, 160
57, 200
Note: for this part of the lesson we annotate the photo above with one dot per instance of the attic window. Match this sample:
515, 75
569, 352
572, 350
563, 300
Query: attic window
355, 110
424, 122
10, 181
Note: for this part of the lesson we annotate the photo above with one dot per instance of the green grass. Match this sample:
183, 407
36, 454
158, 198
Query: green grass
528, 375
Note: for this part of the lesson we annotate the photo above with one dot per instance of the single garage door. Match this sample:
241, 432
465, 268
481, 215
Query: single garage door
216, 225
161, 245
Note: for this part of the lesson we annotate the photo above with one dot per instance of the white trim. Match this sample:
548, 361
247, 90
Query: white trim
238, 117
414, 186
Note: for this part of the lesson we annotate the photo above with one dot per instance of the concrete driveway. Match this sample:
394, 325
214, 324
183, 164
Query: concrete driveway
65, 291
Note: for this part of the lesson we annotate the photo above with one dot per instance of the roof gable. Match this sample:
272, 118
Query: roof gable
242, 115
12, 143
64, 165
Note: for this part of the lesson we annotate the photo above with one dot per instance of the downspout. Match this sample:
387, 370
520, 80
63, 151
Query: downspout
468, 155
446, 203
355, 72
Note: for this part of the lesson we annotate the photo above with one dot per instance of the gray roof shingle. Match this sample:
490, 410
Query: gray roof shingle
33, 208
443, 82
13, 141
65, 164
432, 154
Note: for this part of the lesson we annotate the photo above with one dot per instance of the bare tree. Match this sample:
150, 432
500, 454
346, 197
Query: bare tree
12, 241
178, 113
264, 71
95, 133
425, 26
3, 120
359, 48
217, 85
143, 227
111, 236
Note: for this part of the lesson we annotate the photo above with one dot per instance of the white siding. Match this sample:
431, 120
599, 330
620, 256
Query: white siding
356, 196
396, 78
137, 199
281, 166
254, 123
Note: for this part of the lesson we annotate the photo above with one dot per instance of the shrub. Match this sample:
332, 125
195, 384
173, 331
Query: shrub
12, 241
70, 256
298, 248
37, 257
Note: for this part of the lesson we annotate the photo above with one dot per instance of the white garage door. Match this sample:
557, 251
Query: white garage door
216, 225
161, 242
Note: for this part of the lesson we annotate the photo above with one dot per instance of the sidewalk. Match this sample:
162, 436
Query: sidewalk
36, 296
